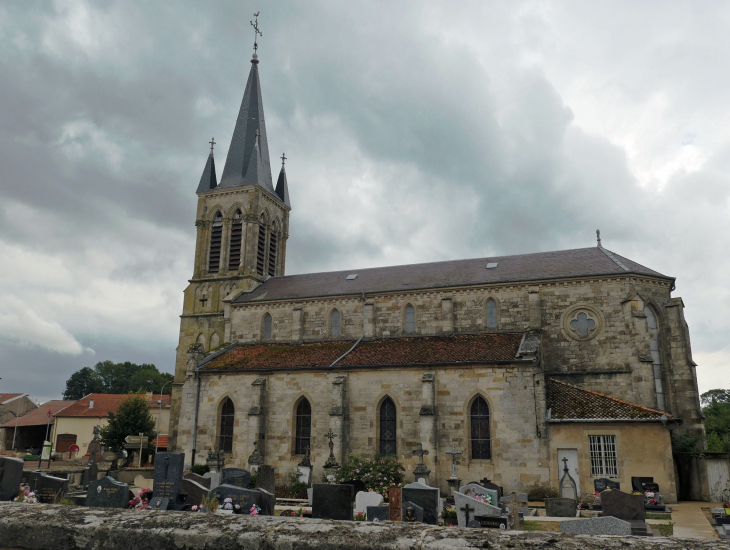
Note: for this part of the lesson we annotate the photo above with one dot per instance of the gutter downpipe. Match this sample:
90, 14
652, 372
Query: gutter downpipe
341, 357
195, 424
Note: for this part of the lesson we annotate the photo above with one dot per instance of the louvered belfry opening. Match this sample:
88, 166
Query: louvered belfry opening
216, 234
261, 251
272, 253
234, 255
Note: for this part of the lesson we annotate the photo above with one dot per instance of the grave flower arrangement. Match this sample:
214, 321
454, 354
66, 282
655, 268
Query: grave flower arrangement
449, 516
487, 499
254, 510
146, 494
26, 495
377, 473
360, 516
655, 499
139, 504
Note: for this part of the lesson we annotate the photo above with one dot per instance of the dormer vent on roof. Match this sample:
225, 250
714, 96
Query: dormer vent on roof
492, 265
351, 277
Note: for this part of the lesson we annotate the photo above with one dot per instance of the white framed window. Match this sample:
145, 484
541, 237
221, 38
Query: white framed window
603, 456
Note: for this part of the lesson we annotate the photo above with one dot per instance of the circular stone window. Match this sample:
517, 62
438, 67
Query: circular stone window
582, 322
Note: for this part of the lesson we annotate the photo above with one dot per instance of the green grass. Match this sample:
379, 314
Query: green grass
658, 516
665, 529
528, 525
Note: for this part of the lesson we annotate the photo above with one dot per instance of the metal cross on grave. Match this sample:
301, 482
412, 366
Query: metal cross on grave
454, 454
419, 452
582, 324
485, 481
467, 512
331, 436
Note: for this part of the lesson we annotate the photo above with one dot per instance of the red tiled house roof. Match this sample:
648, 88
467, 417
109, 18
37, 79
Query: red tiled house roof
104, 403
567, 402
39, 416
4, 397
427, 350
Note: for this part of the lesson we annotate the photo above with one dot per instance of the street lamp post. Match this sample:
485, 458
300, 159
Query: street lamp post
159, 416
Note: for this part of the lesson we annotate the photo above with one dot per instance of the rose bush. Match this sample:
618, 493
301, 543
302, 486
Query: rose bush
377, 473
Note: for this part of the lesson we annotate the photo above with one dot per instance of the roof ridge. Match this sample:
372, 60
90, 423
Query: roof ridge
611, 398
613, 258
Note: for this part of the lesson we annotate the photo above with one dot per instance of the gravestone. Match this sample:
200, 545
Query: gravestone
107, 493
636, 483
91, 473
467, 508
488, 484
265, 478
144, 482
475, 489
623, 506
201, 480
11, 474
367, 498
412, 513
267, 502
310, 493
51, 489
395, 513
424, 496
377, 513
194, 490
602, 483
215, 479
653, 487
158, 503
331, 501
169, 469
568, 486
490, 522
560, 507
357, 486
34, 480
235, 476
596, 526
245, 498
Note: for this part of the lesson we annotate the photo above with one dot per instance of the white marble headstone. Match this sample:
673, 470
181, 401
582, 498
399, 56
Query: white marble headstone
476, 508
479, 490
363, 499
215, 479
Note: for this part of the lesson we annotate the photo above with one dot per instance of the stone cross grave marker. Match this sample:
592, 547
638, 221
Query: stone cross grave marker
421, 471
332, 501
568, 487
454, 454
107, 493
11, 474
168, 475
394, 503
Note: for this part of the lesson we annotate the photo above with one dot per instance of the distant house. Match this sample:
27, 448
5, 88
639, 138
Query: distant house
31, 427
12, 406
75, 424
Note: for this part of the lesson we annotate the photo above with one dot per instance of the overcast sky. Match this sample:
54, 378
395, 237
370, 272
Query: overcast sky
415, 131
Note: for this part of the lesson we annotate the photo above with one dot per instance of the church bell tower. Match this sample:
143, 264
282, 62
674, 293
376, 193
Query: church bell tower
242, 227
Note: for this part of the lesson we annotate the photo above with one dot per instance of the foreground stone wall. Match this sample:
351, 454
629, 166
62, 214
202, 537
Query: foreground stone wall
66, 527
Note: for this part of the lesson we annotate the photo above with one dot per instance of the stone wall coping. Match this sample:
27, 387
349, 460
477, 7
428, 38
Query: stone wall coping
54, 527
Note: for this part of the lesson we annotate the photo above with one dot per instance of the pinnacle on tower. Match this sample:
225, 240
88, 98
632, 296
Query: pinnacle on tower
208, 180
282, 189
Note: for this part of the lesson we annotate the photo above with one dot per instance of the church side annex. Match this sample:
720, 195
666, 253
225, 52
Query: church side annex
520, 361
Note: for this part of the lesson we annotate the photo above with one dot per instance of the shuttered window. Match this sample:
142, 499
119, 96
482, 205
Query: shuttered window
234, 254
225, 438
273, 241
302, 437
481, 444
387, 427
261, 250
214, 258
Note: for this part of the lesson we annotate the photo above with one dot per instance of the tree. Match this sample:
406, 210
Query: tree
131, 418
715, 396
109, 377
717, 419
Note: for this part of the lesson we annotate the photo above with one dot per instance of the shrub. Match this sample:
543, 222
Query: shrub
252, 481
32, 458
538, 493
449, 515
686, 445
200, 469
377, 473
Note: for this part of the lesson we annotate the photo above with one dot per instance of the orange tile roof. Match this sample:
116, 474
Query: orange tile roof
104, 403
467, 348
39, 416
569, 402
8, 396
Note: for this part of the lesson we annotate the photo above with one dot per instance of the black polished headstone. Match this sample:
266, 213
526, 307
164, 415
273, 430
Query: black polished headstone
381, 513
357, 486
235, 476
653, 487
107, 493
623, 506
169, 469
602, 483
32, 479
157, 503
51, 489
331, 501
267, 502
426, 498
412, 512
11, 474
636, 483
245, 498
488, 522
265, 478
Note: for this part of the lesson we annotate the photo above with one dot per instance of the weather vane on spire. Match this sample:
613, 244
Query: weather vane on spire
256, 32
212, 144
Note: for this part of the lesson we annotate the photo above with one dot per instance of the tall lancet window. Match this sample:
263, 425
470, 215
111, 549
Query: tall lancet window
261, 250
302, 436
225, 434
410, 319
267, 326
652, 327
234, 254
214, 258
273, 241
481, 443
387, 427
335, 323
491, 313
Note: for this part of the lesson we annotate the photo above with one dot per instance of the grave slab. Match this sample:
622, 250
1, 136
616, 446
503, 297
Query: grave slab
107, 493
377, 513
474, 488
596, 526
332, 501
157, 503
202, 480
267, 502
602, 483
560, 507
471, 507
11, 474
363, 499
623, 506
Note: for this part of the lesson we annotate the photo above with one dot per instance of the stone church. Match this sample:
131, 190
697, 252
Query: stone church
519, 361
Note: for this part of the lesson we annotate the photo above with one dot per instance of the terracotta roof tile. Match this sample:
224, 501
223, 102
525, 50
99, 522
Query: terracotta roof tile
568, 402
8, 396
104, 403
38, 416
386, 351
163, 442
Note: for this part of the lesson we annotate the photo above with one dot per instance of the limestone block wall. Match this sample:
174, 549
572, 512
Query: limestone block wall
519, 457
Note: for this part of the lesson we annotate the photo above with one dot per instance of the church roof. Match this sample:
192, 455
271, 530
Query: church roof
208, 180
282, 189
420, 350
247, 162
566, 402
96, 404
581, 262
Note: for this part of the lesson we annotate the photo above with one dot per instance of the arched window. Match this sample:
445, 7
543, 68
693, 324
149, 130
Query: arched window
387, 427
303, 427
481, 444
273, 241
215, 340
491, 313
214, 257
201, 340
261, 250
267, 326
234, 253
410, 318
335, 323
225, 434
652, 327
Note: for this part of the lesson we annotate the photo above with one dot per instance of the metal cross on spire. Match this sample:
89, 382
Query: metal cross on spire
212, 144
283, 159
256, 31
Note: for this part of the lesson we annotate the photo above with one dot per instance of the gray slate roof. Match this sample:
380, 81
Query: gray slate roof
208, 180
246, 164
282, 189
579, 262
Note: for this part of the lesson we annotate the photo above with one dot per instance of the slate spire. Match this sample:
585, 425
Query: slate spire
282, 189
208, 180
248, 157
